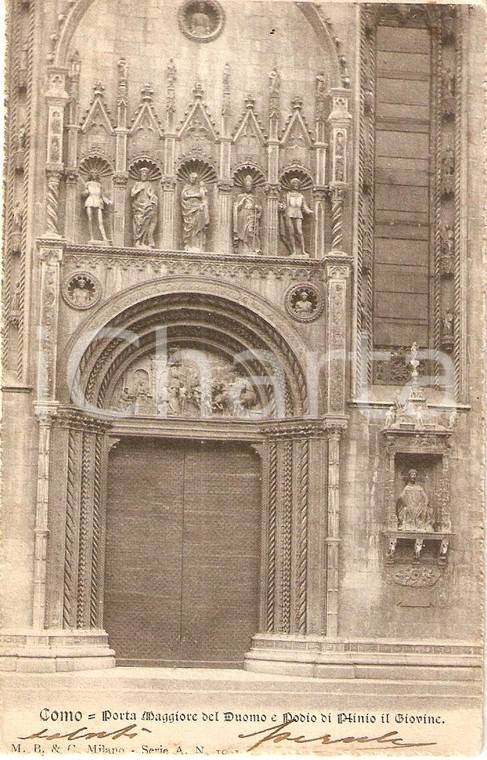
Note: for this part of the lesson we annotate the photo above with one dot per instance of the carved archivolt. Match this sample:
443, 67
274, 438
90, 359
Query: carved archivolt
227, 327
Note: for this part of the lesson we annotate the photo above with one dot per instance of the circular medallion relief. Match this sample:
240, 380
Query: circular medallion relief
304, 302
81, 290
201, 20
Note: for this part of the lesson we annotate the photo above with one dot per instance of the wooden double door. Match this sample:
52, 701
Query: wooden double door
182, 552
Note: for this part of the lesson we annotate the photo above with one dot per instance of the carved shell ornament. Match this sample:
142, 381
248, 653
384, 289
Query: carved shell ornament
81, 290
304, 302
201, 20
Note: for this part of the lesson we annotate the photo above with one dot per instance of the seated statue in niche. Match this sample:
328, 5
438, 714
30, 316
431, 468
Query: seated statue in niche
95, 203
144, 211
414, 512
291, 226
196, 214
247, 213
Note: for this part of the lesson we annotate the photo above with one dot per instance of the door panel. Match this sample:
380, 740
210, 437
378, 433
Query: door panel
221, 545
183, 552
143, 554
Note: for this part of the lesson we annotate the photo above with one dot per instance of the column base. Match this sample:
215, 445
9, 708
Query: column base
55, 650
385, 659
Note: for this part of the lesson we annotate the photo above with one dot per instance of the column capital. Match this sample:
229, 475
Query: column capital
54, 170
338, 270
295, 429
52, 254
272, 190
121, 179
71, 176
225, 185
46, 411
75, 419
168, 183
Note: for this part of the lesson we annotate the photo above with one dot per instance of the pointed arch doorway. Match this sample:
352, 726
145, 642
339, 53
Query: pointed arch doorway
183, 552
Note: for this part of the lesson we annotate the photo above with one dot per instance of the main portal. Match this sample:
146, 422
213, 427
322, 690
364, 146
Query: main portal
182, 552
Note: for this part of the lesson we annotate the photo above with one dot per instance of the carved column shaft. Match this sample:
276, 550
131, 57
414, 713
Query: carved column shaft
46, 369
337, 205
339, 120
120, 181
294, 493
71, 201
77, 504
56, 98
224, 220
41, 529
337, 275
319, 217
166, 212
272, 219
53, 181
333, 535
121, 149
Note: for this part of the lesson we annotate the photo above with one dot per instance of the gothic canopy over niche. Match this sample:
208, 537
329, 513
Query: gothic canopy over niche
181, 147
173, 356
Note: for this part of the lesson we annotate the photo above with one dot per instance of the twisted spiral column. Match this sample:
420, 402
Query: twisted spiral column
271, 559
337, 201
70, 533
302, 573
95, 544
286, 536
52, 201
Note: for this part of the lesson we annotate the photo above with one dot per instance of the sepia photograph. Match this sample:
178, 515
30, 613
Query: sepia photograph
243, 377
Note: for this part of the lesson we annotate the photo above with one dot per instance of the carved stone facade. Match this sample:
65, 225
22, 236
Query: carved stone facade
202, 250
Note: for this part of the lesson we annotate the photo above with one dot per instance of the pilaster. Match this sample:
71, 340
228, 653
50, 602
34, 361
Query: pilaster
224, 224
56, 99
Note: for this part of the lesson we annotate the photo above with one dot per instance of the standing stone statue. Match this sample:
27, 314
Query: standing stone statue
144, 211
196, 215
413, 510
95, 203
293, 210
247, 212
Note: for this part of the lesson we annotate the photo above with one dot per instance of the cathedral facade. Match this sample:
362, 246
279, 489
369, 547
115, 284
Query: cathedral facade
243, 323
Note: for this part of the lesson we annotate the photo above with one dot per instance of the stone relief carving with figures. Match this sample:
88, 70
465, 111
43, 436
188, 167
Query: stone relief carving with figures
187, 383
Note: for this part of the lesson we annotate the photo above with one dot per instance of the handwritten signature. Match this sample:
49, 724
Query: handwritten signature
390, 740
127, 731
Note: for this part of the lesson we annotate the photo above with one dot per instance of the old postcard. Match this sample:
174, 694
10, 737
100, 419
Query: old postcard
243, 377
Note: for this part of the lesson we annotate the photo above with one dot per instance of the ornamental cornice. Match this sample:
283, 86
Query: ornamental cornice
184, 262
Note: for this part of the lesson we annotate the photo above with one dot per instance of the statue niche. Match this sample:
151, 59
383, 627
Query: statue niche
92, 171
414, 512
293, 211
186, 383
144, 203
195, 176
247, 212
